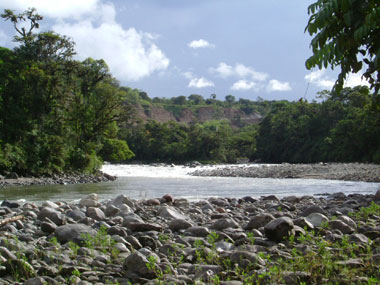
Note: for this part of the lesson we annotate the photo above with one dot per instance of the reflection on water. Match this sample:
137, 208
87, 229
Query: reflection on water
193, 188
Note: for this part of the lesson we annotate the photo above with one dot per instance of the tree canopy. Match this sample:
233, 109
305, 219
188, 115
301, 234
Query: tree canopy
346, 34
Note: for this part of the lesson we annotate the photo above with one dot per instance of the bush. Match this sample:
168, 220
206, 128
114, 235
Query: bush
115, 150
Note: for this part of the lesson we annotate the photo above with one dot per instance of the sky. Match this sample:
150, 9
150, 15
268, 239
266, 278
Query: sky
169, 48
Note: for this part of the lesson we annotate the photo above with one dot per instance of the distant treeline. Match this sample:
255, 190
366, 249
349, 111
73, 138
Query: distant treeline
341, 128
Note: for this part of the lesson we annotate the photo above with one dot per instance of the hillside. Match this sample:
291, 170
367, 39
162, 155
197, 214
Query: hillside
195, 108
236, 117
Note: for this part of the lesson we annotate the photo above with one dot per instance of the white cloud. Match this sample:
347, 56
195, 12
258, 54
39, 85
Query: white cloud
319, 79
54, 9
200, 83
240, 71
355, 80
200, 44
131, 55
243, 85
275, 85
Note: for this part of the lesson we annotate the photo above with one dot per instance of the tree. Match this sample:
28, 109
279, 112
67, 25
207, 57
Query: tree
230, 99
346, 34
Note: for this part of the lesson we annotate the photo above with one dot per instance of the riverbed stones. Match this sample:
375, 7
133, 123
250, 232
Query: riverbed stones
317, 219
377, 195
259, 221
90, 200
170, 213
224, 223
122, 199
136, 264
341, 226
49, 214
279, 229
180, 251
95, 213
179, 224
76, 215
312, 209
73, 232
197, 231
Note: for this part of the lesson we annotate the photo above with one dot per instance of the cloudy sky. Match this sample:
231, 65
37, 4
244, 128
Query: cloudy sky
246, 48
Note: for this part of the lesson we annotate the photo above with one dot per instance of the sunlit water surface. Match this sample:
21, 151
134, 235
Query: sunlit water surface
143, 181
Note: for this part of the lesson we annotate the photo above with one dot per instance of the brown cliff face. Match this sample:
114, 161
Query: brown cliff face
237, 117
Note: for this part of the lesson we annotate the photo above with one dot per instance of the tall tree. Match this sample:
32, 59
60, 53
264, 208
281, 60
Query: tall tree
346, 34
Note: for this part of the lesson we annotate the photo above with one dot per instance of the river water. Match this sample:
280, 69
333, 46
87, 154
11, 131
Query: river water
143, 181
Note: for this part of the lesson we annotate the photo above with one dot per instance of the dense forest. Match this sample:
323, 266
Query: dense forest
58, 114
341, 128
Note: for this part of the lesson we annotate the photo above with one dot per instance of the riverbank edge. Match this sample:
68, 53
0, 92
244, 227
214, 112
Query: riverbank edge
292, 240
328, 171
57, 179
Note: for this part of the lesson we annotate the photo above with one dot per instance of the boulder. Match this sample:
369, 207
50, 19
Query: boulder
73, 232
95, 213
111, 211
170, 213
258, 221
377, 195
224, 223
245, 258
89, 201
48, 227
279, 229
50, 214
143, 227
76, 215
137, 263
312, 209
341, 226
50, 204
198, 231
179, 224
317, 219
120, 200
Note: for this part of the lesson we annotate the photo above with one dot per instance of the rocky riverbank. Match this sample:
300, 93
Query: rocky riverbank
329, 171
73, 178
314, 240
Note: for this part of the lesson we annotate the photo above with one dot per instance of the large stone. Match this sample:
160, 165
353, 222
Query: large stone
341, 226
348, 221
198, 231
144, 227
73, 232
179, 224
279, 229
111, 211
76, 215
122, 199
377, 195
138, 263
95, 213
224, 223
258, 221
312, 209
303, 223
50, 204
89, 201
170, 213
51, 214
245, 258
317, 219
48, 227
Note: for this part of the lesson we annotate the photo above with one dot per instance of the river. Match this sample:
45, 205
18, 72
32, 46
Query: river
143, 181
